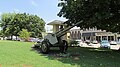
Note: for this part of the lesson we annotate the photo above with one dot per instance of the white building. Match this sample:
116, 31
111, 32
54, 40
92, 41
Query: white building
93, 34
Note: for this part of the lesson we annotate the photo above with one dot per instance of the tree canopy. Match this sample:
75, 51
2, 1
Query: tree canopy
103, 14
13, 23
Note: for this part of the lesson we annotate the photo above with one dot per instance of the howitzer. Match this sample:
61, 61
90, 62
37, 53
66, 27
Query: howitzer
55, 40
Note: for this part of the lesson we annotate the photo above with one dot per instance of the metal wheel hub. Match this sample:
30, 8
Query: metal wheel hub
44, 47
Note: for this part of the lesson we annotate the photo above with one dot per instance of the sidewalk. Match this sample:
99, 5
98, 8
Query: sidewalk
114, 47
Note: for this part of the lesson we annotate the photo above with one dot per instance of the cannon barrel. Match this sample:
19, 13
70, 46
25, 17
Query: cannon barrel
64, 30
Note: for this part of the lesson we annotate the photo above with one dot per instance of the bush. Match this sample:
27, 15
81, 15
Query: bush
24, 34
73, 43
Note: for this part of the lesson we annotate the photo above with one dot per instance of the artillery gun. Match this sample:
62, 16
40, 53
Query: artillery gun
55, 40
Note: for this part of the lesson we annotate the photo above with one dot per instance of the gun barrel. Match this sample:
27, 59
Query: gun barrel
64, 31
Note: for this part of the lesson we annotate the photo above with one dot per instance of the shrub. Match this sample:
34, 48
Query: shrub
73, 42
24, 34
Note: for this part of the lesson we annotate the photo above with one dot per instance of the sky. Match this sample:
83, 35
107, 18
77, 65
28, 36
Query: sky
46, 9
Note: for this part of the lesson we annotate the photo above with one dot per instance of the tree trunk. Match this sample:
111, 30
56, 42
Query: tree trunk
3, 38
16, 38
11, 37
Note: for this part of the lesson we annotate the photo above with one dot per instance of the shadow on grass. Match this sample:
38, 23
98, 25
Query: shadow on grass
86, 57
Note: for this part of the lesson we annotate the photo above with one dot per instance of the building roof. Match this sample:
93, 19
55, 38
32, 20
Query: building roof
89, 31
56, 22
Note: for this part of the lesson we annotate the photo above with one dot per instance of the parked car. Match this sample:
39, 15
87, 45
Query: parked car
113, 43
16, 39
118, 42
95, 42
105, 44
34, 40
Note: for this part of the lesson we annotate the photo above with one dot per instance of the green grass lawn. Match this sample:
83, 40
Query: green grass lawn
20, 54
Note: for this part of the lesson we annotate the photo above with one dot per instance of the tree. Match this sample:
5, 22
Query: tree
24, 34
6, 25
13, 23
37, 25
103, 14
0, 33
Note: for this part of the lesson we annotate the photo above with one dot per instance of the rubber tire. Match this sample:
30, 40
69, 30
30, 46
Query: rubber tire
45, 48
64, 46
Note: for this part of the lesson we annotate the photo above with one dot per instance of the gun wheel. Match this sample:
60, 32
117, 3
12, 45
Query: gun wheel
45, 47
64, 46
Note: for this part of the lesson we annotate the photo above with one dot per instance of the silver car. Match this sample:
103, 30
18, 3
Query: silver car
105, 44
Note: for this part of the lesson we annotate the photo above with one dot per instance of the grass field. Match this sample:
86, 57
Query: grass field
20, 54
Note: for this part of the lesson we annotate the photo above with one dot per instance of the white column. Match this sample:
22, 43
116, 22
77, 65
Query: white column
95, 37
107, 37
115, 38
101, 38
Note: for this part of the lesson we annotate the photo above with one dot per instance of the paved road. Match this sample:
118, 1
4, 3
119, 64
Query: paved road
114, 47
